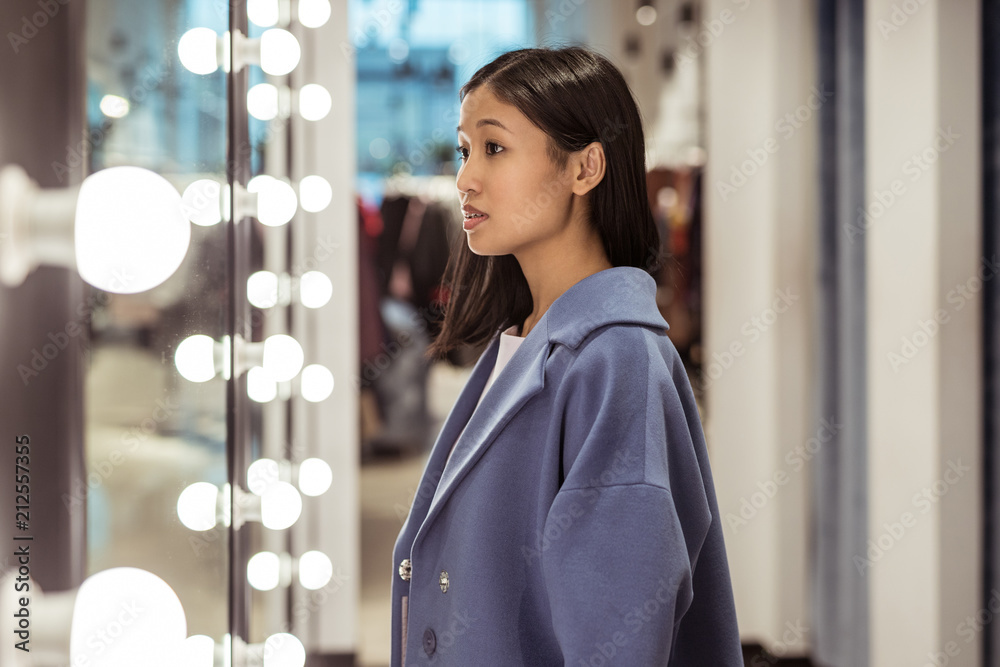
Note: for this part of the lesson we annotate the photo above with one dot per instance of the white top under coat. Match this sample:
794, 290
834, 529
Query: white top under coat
509, 342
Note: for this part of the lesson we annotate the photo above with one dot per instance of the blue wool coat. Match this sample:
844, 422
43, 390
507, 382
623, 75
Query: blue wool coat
576, 523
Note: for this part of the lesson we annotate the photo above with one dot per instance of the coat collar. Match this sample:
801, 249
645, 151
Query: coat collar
619, 295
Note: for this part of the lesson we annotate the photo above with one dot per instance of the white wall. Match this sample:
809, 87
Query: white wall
760, 224
923, 240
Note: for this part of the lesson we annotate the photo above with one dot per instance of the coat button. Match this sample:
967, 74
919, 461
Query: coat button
443, 580
430, 642
405, 569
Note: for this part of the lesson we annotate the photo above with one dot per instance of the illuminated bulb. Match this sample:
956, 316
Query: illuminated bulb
279, 51
262, 101
314, 13
283, 357
131, 232
114, 106
227, 505
315, 570
315, 289
317, 383
315, 477
227, 204
314, 101
227, 357
264, 571
398, 50
276, 201
262, 289
195, 358
198, 651
198, 50
123, 229
201, 202
646, 15
261, 387
284, 650
197, 506
263, 12
261, 474
124, 617
315, 193
280, 506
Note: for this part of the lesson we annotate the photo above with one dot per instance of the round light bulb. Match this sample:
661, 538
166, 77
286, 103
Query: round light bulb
283, 357
314, 101
645, 15
276, 201
264, 571
317, 383
315, 289
315, 193
198, 651
284, 650
261, 474
314, 13
315, 570
201, 202
280, 506
124, 617
197, 506
197, 50
262, 101
279, 51
315, 477
195, 358
261, 387
263, 12
114, 106
262, 289
398, 50
131, 231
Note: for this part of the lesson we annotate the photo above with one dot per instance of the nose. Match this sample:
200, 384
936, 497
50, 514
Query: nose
468, 180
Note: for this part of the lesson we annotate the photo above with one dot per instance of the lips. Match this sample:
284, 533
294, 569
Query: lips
473, 216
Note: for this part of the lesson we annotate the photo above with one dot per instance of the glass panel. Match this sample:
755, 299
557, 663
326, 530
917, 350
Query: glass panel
151, 432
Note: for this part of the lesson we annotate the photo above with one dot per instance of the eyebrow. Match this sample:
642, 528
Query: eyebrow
487, 121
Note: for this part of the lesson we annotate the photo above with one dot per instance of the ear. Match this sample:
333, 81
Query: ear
588, 167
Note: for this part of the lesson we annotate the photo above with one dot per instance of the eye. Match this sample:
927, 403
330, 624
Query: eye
463, 152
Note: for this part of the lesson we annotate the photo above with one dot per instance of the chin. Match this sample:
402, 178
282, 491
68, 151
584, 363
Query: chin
484, 251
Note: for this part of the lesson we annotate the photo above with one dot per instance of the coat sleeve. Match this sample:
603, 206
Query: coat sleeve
617, 574
625, 531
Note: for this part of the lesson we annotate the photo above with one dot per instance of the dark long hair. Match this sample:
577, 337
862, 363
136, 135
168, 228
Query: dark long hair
575, 96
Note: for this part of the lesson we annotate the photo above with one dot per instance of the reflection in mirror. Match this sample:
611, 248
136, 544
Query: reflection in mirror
151, 431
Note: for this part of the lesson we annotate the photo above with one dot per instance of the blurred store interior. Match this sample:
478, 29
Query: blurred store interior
231, 422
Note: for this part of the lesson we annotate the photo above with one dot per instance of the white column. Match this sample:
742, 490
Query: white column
760, 226
924, 344
327, 242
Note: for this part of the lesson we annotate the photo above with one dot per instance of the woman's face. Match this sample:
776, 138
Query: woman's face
506, 173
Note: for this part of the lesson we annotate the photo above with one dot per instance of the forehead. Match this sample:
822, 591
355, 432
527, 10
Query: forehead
482, 104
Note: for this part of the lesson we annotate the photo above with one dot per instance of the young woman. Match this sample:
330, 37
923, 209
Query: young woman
566, 514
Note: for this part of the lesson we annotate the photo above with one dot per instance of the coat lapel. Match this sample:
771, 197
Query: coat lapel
520, 379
